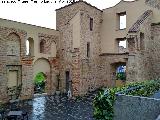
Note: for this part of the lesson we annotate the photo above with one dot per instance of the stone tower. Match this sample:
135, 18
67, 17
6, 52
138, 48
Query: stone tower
79, 26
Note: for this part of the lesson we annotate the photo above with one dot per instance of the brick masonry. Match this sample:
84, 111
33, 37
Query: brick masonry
86, 73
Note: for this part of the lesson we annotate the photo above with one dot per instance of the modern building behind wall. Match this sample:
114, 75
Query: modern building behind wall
85, 51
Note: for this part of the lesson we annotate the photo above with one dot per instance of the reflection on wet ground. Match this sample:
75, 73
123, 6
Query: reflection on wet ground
60, 108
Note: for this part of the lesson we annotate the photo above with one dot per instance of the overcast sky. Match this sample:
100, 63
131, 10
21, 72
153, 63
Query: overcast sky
41, 14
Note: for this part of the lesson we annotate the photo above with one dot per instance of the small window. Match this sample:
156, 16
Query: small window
88, 49
142, 47
122, 20
123, 43
122, 46
91, 24
42, 43
27, 47
30, 46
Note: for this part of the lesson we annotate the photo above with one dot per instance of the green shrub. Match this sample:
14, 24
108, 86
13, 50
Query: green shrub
104, 101
121, 76
39, 79
103, 104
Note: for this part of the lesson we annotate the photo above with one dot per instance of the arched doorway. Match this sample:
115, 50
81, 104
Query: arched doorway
41, 75
39, 82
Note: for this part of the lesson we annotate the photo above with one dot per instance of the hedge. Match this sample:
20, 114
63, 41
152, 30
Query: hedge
104, 101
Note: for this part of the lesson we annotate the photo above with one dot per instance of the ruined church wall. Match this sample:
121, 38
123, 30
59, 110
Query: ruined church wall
109, 63
140, 61
84, 71
90, 75
33, 32
12, 59
155, 50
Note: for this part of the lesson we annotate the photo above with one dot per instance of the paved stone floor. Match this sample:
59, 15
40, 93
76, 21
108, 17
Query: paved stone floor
60, 108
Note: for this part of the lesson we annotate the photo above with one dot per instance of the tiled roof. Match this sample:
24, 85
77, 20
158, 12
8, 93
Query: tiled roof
140, 21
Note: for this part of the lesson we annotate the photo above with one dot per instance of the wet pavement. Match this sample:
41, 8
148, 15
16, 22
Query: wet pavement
60, 108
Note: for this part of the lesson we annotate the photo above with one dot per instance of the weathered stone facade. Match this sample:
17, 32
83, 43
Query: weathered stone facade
139, 58
75, 51
13, 59
154, 49
86, 70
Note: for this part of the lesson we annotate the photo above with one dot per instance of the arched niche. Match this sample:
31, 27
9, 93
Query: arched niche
13, 45
42, 46
42, 65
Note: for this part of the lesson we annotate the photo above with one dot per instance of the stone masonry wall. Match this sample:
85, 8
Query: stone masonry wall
139, 60
27, 78
109, 63
48, 40
153, 3
3, 77
90, 78
155, 43
87, 78
12, 58
51, 83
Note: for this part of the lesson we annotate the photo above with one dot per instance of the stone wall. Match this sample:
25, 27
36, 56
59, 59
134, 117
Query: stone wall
86, 71
136, 108
155, 43
139, 60
3, 76
153, 3
12, 58
53, 83
109, 63
51, 41
27, 78
48, 41
90, 78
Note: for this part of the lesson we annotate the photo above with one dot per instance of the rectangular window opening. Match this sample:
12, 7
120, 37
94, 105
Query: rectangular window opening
142, 46
122, 20
122, 46
91, 24
88, 49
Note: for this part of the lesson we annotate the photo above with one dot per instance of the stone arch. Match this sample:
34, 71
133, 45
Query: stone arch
30, 46
13, 44
43, 65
